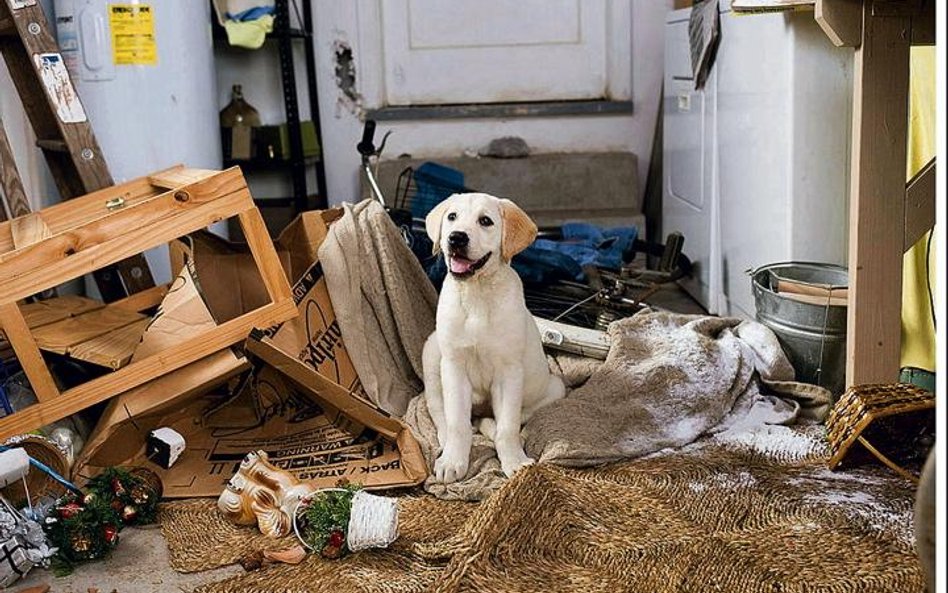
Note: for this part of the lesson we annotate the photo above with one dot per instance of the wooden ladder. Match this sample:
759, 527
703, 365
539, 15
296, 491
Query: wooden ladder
62, 130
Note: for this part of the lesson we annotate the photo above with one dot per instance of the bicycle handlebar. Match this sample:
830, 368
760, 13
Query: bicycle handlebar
367, 146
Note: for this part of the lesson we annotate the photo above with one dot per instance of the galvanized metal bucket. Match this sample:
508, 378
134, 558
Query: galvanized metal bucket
812, 335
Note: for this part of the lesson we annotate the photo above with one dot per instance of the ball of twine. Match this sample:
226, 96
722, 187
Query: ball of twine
373, 521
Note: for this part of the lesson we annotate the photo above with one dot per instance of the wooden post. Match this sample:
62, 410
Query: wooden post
877, 203
11, 186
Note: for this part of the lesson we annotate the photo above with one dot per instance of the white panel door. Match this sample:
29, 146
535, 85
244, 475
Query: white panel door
504, 50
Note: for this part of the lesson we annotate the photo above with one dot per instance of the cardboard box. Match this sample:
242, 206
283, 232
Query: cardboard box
302, 402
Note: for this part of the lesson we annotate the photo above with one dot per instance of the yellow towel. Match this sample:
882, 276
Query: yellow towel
918, 330
249, 34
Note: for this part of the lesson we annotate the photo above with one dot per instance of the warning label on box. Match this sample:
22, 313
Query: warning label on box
133, 34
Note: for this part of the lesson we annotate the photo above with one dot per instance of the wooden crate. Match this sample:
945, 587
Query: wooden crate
71, 239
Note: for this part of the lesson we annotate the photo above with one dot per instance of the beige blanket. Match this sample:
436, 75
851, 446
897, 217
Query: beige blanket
668, 380
383, 301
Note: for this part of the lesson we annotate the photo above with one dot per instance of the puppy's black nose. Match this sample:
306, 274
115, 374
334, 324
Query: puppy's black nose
458, 240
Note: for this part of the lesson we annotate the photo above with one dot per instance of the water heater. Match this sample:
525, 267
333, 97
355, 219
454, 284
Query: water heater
145, 72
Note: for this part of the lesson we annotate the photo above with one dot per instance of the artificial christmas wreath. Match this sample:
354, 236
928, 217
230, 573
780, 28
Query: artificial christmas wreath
86, 527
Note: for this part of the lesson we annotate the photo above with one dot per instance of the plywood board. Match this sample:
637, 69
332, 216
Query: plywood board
58, 337
113, 349
40, 313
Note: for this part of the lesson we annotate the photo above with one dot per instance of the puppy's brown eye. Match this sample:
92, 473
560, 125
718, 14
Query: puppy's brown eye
485, 221
452, 216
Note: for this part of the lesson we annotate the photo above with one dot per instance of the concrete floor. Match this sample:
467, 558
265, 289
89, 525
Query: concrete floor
138, 565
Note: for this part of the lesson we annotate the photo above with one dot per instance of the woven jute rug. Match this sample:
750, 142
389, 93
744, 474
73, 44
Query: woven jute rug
713, 517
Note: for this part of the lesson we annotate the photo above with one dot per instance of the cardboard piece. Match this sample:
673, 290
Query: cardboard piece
126, 421
318, 435
362, 443
232, 283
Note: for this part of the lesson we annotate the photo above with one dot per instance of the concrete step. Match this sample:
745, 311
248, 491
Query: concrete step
601, 188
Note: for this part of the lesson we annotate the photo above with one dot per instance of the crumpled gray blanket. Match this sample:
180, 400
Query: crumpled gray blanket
384, 303
668, 379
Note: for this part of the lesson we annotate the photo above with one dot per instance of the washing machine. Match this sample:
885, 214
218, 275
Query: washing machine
756, 163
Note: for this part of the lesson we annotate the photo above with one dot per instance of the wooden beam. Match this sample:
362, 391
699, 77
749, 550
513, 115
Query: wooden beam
264, 255
140, 372
177, 176
29, 229
877, 181
841, 20
919, 205
11, 186
66, 216
54, 145
70, 255
40, 313
28, 355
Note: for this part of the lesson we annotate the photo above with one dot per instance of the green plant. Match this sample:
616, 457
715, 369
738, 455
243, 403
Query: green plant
323, 520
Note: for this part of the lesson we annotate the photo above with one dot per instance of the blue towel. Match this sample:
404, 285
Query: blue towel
251, 14
589, 244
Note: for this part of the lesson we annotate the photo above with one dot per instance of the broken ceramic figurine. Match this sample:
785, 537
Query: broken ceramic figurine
263, 494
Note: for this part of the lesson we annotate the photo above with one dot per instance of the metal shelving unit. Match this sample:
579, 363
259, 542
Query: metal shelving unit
285, 36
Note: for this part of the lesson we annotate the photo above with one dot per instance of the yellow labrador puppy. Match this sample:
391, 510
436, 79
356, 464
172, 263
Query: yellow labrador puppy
485, 357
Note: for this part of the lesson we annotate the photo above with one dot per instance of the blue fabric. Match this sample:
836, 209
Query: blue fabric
251, 14
590, 245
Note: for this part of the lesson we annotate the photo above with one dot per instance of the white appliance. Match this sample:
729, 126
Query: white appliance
145, 73
756, 163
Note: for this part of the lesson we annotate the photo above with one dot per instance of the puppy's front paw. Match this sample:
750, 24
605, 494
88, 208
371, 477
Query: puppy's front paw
512, 463
451, 467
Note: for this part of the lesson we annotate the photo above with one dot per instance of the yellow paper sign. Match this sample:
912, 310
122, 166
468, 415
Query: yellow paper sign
133, 34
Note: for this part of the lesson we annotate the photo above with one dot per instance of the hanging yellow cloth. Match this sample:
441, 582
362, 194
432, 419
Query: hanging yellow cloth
918, 328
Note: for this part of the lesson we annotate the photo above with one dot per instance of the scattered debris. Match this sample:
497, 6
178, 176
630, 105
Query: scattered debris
293, 555
252, 560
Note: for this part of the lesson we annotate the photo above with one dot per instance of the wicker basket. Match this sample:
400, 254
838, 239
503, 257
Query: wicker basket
863, 405
40, 484
150, 479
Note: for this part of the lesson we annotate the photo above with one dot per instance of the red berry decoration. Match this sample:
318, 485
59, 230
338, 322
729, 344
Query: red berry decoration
336, 538
111, 534
68, 511
117, 487
129, 514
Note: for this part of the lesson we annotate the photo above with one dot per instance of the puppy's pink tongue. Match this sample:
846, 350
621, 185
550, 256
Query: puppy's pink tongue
460, 265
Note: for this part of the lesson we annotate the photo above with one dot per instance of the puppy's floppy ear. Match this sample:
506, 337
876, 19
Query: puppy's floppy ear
519, 231
433, 224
